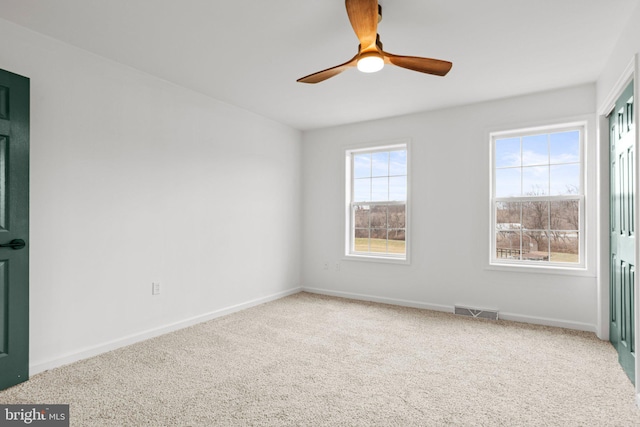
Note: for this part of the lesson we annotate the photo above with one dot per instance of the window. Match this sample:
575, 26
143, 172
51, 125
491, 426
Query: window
376, 217
538, 197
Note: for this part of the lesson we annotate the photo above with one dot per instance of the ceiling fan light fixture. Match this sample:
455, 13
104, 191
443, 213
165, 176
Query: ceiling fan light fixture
370, 62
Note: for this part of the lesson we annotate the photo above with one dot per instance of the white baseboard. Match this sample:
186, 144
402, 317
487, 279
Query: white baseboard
450, 309
567, 324
383, 300
85, 353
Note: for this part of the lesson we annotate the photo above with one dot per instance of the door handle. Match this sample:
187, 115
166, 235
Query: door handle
15, 244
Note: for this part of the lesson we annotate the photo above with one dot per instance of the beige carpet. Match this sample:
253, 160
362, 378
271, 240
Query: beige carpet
309, 360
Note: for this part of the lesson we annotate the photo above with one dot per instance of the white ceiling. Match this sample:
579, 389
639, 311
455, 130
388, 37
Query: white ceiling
250, 52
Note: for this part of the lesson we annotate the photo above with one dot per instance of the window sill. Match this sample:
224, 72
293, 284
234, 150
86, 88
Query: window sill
376, 259
540, 269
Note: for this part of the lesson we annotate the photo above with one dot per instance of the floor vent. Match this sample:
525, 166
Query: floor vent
476, 312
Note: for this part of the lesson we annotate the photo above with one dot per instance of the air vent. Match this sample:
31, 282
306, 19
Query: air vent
477, 312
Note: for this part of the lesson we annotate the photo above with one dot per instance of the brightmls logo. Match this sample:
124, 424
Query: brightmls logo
34, 415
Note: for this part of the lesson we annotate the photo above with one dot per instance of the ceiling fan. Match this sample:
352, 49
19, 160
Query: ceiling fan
364, 16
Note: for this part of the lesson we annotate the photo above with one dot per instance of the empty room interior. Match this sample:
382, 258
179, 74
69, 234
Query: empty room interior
208, 217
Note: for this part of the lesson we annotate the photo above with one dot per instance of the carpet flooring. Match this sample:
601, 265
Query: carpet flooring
311, 360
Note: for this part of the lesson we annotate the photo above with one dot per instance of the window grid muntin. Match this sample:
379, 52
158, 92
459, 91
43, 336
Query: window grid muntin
549, 164
549, 230
388, 228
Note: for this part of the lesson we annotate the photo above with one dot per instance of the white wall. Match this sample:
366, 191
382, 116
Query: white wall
449, 214
621, 56
135, 180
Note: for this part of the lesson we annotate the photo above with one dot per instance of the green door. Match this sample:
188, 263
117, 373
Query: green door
14, 229
622, 158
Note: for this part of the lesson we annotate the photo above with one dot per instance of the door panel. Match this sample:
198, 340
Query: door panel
622, 291
14, 224
4, 310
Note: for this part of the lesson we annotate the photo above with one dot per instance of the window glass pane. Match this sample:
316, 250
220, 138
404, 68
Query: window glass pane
397, 217
565, 215
564, 147
379, 189
361, 240
508, 182
361, 216
398, 188
398, 163
362, 190
362, 165
507, 152
535, 181
565, 179
380, 164
508, 216
535, 215
379, 240
378, 217
508, 244
535, 150
379, 234
397, 242
535, 245
565, 247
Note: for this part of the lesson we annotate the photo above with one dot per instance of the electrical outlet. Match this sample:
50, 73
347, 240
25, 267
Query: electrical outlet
337, 266
155, 288
326, 265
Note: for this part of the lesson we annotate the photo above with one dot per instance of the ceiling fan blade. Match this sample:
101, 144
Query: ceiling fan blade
329, 72
423, 65
363, 15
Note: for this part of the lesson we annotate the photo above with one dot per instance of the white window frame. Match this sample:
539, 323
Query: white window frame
550, 266
349, 152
